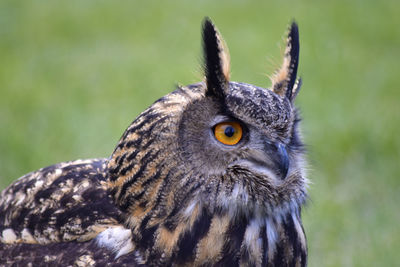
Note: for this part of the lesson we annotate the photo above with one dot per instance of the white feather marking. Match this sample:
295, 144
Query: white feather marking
77, 198
20, 197
85, 183
271, 234
299, 229
253, 241
239, 193
27, 236
117, 239
234, 202
58, 172
139, 258
235, 191
8, 236
252, 232
9, 198
39, 183
189, 209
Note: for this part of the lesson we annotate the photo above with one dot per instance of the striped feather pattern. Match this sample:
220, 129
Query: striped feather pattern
172, 193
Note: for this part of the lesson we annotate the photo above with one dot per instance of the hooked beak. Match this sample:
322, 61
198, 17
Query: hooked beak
277, 165
282, 160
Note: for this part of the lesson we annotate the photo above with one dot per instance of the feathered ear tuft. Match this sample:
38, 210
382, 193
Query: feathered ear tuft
284, 80
216, 60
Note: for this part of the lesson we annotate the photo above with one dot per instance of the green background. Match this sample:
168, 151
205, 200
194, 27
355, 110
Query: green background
74, 74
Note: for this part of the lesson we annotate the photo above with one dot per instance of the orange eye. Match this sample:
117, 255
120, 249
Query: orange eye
228, 133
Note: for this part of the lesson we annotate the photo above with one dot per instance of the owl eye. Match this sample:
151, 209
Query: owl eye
228, 133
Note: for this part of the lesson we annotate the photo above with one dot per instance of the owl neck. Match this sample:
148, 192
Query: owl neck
197, 236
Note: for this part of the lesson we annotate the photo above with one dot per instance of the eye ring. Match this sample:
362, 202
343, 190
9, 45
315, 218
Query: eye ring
228, 133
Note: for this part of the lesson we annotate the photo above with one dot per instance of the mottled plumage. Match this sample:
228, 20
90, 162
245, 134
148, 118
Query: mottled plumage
172, 192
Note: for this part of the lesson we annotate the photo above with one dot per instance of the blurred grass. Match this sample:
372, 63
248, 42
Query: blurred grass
74, 74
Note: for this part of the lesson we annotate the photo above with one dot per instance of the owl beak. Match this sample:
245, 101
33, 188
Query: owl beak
274, 163
283, 160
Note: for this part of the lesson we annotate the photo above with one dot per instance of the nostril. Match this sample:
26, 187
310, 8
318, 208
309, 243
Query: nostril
283, 160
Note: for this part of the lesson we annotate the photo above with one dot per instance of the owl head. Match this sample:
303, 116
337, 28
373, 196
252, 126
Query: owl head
224, 146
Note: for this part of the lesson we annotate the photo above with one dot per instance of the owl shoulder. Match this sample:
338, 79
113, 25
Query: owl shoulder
60, 203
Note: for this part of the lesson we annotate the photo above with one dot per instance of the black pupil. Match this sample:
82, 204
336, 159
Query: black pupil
229, 131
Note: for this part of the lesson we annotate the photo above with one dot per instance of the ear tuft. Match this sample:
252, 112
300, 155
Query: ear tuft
284, 80
216, 60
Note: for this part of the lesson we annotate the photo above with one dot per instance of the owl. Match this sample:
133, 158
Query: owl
212, 174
